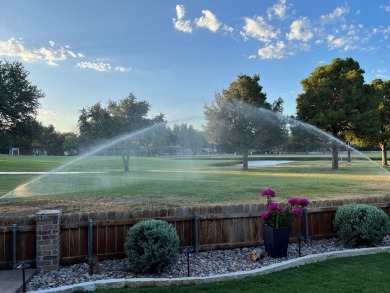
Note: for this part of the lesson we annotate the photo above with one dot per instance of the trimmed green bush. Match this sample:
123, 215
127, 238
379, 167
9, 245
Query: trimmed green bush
152, 246
361, 225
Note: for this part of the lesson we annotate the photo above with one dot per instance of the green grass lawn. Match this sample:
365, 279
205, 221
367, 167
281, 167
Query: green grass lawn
187, 182
370, 273
180, 182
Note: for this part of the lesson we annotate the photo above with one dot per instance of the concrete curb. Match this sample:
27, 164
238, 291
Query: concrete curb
137, 282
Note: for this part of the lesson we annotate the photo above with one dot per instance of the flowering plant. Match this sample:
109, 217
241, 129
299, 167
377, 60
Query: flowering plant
278, 216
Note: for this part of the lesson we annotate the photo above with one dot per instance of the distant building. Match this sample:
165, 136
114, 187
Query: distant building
16, 151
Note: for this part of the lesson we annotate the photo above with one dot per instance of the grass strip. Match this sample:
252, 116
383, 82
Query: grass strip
369, 273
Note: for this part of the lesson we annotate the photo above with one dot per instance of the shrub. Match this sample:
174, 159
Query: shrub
361, 225
152, 246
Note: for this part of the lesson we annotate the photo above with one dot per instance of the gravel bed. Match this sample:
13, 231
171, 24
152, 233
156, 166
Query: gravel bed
206, 263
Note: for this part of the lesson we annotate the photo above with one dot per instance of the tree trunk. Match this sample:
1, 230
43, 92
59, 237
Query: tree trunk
125, 158
244, 158
383, 146
335, 155
349, 151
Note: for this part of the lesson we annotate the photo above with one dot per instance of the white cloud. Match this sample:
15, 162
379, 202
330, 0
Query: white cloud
179, 23
50, 55
343, 43
381, 73
385, 8
227, 29
98, 66
258, 29
278, 10
273, 52
180, 11
183, 26
73, 54
101, 66
16, 48
337, 14
282, 50
348, 37
208, 20
122, 69
49, 115
370, 49
300, 30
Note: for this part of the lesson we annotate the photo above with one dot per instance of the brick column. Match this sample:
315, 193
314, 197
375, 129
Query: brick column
48, 239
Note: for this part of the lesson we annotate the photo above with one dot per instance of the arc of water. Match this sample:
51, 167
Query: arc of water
331, 137
92, 152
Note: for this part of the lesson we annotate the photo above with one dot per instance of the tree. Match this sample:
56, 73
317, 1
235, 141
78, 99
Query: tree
336, 100
95, 125
382, 91
303, 137
71, 143
130, 115
98, 124
52, 141
187, 137
240, 116
23, 134
18, 98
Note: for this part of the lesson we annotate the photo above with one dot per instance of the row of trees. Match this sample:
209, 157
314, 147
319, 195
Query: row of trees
335, 99
19, 102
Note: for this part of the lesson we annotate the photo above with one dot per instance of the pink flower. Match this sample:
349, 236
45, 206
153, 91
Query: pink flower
268, 192
273, 206
303, 202
297, 212
265, 215
293, 201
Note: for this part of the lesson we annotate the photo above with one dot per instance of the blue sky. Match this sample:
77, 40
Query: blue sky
177, 54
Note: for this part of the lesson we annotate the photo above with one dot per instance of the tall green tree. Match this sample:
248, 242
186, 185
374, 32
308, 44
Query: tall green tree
98, 124
19, 99
187, 137
95, 125
336, 100
240, 116
381, 88
52, 141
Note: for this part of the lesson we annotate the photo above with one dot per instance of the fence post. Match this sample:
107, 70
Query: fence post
48, 239
306, 217
196, 232
90, 242
14, 245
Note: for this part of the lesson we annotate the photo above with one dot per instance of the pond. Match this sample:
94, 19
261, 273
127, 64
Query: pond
265, 163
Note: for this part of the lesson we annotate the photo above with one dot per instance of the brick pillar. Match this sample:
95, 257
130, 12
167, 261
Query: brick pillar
48, 239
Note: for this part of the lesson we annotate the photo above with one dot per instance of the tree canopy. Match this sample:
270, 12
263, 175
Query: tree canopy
19, 99
98, 124
336, 100
235, 118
